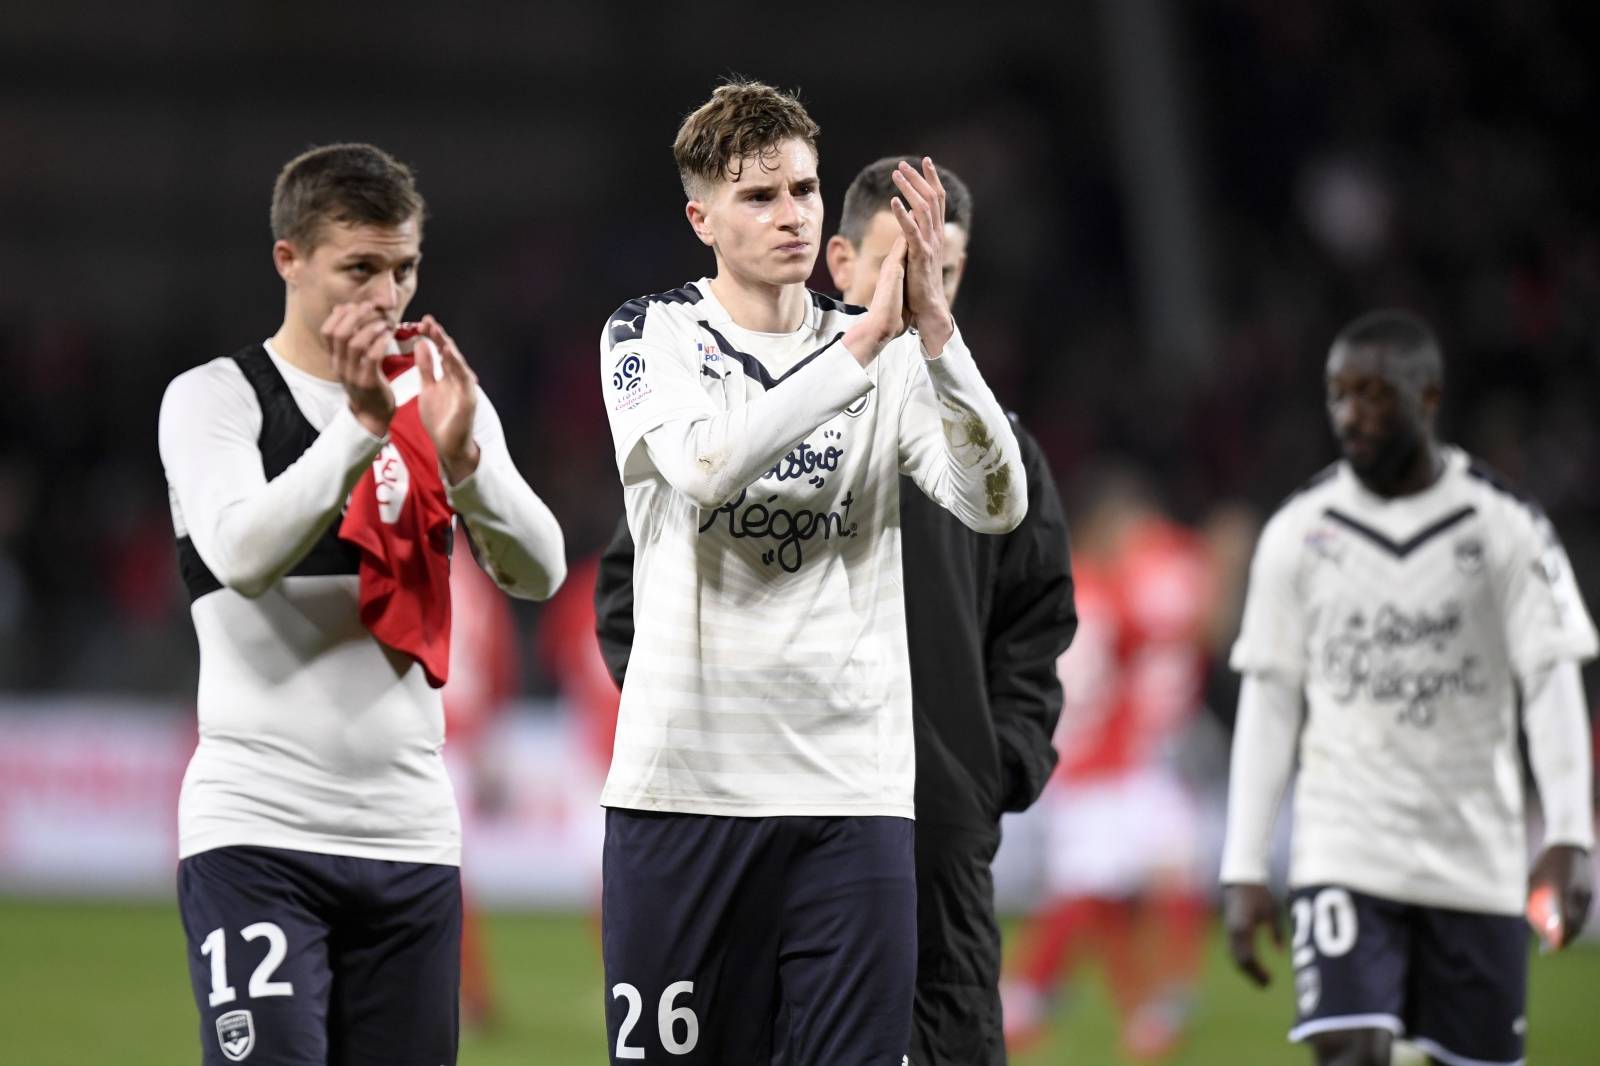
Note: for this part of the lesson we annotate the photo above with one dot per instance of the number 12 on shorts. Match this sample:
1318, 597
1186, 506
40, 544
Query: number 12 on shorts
667, 1018
215, 947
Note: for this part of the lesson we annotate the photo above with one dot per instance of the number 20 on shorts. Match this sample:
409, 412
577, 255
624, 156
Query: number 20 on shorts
668, 1018
1329, 919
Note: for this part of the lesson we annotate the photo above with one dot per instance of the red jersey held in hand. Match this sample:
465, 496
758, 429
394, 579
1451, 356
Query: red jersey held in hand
400, 518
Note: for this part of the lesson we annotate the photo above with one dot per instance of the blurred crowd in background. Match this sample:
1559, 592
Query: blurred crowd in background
1176, 208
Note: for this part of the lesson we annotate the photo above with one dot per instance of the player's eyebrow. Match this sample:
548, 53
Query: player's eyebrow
748, 186
369, 256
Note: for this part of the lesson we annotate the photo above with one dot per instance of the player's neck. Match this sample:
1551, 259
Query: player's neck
759, 306
1421, 474
302, 349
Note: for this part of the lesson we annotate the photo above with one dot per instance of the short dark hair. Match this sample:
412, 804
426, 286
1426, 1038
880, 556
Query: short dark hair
742, 119
351, 183
874, 187
1402, 335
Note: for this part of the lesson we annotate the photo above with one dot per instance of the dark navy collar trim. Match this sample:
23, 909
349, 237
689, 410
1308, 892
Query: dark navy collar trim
1401, 549
752, 366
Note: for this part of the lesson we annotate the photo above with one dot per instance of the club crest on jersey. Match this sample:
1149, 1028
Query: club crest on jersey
627, 379
1469, 555
236, 1034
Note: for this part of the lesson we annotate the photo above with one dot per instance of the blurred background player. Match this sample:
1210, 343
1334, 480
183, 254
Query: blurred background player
1402, 607
319, 839
1123, 883
759, 843
986, 618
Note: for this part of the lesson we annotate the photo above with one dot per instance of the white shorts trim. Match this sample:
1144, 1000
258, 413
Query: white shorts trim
1348, 1021
1450, 1058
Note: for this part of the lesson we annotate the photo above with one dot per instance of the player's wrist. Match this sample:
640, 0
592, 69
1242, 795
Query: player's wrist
935, 330
375, 422
866, 339
462, 464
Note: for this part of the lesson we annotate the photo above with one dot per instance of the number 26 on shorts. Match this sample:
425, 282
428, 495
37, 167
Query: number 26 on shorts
668, 1018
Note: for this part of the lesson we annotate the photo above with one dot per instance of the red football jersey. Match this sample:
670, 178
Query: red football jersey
1136, 669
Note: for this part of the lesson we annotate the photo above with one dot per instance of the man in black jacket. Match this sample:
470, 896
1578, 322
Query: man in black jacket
987, 618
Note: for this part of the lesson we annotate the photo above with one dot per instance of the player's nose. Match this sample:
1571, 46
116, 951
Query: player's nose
786, 213
1345, 413
385, 292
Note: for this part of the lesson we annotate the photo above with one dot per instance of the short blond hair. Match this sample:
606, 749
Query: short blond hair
742, 120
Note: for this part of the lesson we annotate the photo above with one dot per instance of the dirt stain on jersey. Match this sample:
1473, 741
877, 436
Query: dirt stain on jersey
998, 487
968, 437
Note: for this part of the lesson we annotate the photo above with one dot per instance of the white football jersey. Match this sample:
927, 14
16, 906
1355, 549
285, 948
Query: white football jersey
314, 736
769, 671
1408, 622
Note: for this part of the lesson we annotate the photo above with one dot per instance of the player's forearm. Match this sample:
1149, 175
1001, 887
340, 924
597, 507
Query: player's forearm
978, 476
1263, 758
519, 541
1556, 719
710, 459
252, 541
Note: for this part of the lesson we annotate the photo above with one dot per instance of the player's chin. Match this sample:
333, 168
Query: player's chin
1361, 454
788, 269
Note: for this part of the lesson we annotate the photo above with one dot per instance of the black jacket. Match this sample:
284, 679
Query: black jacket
986, 616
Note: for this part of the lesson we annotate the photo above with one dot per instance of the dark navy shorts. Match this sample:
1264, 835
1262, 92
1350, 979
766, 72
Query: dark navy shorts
301, 959
1452, 982
714, 927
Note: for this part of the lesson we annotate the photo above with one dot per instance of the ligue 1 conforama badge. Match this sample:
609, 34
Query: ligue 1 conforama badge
1307, 990
627, 380
236, 1033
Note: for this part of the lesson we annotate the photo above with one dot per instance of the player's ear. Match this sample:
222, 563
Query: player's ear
957, 272
700, 221
1432, 396
841, 262
286, 258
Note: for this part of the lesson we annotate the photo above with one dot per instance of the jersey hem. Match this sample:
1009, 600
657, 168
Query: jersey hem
1426, 896
438, 854
765, 810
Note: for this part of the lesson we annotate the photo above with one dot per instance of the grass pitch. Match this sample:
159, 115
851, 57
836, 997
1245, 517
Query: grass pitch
107, 983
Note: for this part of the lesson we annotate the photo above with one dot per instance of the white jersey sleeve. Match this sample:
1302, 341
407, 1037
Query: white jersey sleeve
1273, 634
249, 531
515, 537
1545, 618
1555, 716
1264, 736
956, 442
654, 397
